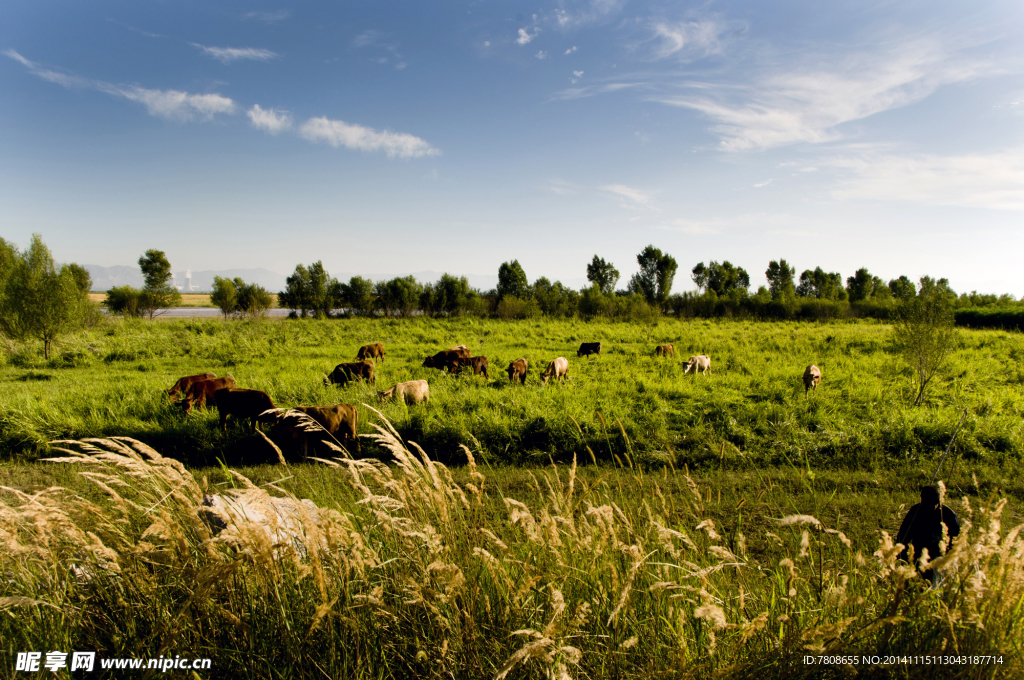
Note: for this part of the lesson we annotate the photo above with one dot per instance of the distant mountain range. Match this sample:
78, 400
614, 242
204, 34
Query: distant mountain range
105, 278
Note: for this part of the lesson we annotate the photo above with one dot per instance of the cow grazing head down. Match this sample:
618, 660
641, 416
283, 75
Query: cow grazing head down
517, 371
812, 376
700, 363
412, 392
664, 351
556, 369
242, 404
374, 351
588, 348
343, 373
184, 384
201, 393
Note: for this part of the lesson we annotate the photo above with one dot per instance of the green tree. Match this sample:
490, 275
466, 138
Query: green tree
657, 271
821, 285
923, 331
604, 274
157, 291
722, 279
83, 279
699, 274
252, 299
311, 290
124, 300
452, 294
225, 295
357, 296
512, 281
780, 279
861, 286
902, 288
38, 299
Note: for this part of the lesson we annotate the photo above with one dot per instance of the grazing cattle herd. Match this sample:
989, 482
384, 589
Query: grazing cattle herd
340, 420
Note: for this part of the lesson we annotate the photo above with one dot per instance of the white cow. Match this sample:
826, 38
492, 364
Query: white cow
812, 376
556, 369
412, 392
700, 363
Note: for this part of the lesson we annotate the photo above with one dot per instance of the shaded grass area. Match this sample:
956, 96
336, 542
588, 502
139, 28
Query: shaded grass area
412, 571
621, 407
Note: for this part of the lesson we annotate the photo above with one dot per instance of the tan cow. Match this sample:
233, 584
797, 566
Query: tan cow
183, 384
339, 420
664, 351
374, 351
412, 392
556, 369
812, 376
517, 371
201, 393
700, 363
294, 433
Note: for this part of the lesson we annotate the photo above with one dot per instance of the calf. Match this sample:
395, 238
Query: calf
588, 348
183, 384
202, 393
556, 369
412, 392
664, 351
517, 371
373, 351
343, 373
812, 376
478, 364
700, 363
240, 403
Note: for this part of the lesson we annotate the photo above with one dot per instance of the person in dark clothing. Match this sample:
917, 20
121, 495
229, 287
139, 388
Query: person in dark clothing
922, 529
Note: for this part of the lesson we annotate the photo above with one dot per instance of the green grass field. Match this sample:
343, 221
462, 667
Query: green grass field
665, 559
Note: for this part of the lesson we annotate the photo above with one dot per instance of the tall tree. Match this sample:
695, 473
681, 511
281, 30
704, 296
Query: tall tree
721, 278
39, 300
699, 275
821, 284
224, 295
604, 274
157, 292
512, 281
902, 288
923, 331
780, 278
861, 286
311, 289
657, 271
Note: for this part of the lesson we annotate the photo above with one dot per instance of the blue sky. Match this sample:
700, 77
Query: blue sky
392, 137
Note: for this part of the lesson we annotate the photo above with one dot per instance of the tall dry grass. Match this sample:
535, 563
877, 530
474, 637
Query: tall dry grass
413, 574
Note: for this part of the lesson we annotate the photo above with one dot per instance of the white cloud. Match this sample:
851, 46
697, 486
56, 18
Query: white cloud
400, 66
271, 120
366, 38
590, 12
571, 50
339, 133
630, 197
687, 39
798, 104
487, 43
269, 17
174, 104
229, 54
541, 55
762, 184
993, 181
170, 104
525, 37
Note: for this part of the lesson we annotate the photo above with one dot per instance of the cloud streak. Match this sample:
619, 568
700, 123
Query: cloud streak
226, 55
269, 120
352, 136
170, 104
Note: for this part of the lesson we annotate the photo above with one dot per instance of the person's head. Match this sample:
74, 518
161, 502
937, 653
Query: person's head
930, 496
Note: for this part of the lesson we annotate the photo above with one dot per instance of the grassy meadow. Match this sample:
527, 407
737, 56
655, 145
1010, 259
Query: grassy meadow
630, 523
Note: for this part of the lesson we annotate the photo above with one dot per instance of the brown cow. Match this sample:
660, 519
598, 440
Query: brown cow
445, 360
462, 350
371, 352
202, 393
588, 348
556, 369
339, 420
183, 384
240, 403
664, 351
412, 392
517, 371
812, 376
343, 373
478, 364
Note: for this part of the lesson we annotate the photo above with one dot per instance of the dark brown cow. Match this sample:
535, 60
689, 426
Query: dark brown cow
478, 364
445, 360
343, 373
340, 420
588, 348
240, 403
462, 350
373, 351
201, 393
664, 351
183, 384
517, 371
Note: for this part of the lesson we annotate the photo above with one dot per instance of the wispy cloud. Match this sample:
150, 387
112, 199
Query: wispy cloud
270, 120
541, 55
227, 55
571, 50
686, 39
367, 38
762, 184
525, 36
269, 17
992, 180
170, 104
587, 12
339, 133
786, 105
629, 196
